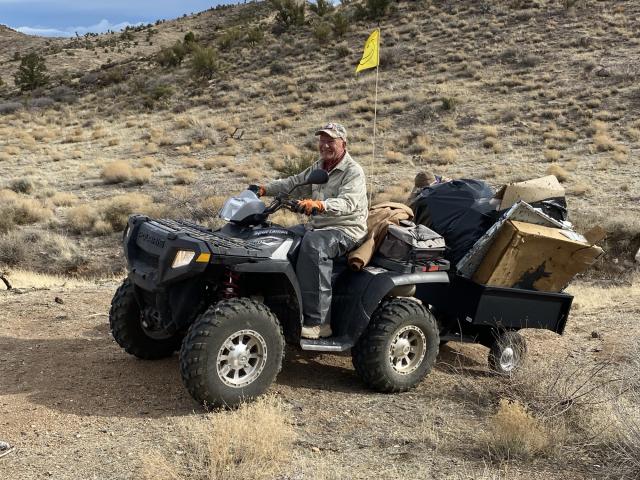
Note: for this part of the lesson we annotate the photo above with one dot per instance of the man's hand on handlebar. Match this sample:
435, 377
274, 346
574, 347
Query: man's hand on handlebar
257, 189
310, 207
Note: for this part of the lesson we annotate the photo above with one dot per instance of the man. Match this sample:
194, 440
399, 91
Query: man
338, 211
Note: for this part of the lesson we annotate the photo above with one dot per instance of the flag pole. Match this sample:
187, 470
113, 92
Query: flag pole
375, 117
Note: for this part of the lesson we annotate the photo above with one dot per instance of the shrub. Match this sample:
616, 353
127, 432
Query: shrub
205, 62
253, 441
378, 8
449, 103
321, 7
289, 13
82, 218
32, 73
184, 177
321, 32
22, 185
172, 56
255, 36
278, 68
117, 172
340, 24
64, 199
38, 251
9, 107
189, 37
293, 166
117, 210
515, 433
230, 38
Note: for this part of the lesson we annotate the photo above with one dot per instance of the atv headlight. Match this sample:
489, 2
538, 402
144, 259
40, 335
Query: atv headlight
182, 258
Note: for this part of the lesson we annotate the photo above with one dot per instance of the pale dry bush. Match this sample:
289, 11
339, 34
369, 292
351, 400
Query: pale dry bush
116, 211
623, 450
40, 251
394, 157
190, 162
140, 176
560, 173
184, 177
81, 219
20, 210
254, 441
29, 279
150, 162
117, 172
64, 199
551, 155
289, 150
514, 433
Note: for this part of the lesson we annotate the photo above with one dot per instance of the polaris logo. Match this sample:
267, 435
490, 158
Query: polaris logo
151, 239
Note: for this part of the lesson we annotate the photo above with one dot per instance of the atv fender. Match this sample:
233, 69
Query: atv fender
358, 294
283, 267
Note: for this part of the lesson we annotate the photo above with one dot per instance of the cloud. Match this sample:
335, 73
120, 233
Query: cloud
101, 27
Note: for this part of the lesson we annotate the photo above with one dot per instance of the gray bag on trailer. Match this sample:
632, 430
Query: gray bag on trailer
411, 242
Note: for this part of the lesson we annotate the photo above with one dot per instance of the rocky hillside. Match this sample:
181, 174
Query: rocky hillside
170, 118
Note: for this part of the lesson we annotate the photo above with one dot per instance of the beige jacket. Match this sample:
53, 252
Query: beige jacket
381, 216
344, 197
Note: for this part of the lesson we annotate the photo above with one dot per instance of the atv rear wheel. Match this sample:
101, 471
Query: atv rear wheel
128, 329
507, 353
232, 353
398, 348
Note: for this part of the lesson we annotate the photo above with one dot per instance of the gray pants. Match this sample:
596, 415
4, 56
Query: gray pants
314, 268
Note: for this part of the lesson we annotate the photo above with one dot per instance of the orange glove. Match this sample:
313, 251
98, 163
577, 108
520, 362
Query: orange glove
310, 207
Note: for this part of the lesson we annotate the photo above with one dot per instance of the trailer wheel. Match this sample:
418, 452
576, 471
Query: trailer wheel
398, 348
507, 353
232, 353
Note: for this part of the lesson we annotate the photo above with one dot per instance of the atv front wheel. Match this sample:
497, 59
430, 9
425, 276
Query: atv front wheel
232, 353
507, 353
398, 348
128, 329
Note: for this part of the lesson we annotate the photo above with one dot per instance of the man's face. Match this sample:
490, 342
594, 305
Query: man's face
330, 148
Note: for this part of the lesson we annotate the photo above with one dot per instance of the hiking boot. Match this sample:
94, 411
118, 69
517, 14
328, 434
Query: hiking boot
316, 331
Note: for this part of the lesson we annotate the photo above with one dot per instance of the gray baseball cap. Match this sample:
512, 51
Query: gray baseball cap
334, 130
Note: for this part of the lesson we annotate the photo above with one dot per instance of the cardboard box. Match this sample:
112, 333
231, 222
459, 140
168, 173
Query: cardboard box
530, 191
535, 257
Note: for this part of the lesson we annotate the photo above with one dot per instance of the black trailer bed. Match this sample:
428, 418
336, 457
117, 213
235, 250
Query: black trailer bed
470, 303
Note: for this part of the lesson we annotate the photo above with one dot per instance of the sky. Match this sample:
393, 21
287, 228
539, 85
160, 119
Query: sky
63, 18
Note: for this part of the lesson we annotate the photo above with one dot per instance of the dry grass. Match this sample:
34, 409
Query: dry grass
254, 441
116, 211
29, 279
81, 219
117, 172
515, 434
64, 199
40, 251
561, 174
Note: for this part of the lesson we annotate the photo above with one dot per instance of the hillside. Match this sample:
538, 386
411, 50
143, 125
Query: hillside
477, 90
172, 118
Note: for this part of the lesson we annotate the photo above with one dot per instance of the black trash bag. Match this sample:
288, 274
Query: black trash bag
555, 207
458, 210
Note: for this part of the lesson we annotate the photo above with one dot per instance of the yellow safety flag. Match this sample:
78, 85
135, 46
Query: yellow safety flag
371, 56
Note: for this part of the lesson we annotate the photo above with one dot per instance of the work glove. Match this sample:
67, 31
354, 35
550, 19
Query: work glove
310, 207
257, 189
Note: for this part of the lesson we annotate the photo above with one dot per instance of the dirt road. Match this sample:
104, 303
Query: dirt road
76, 406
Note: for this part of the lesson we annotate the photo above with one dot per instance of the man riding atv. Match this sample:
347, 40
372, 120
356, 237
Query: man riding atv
338, 211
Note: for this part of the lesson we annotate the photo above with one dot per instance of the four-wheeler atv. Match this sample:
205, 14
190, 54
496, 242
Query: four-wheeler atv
227, 299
